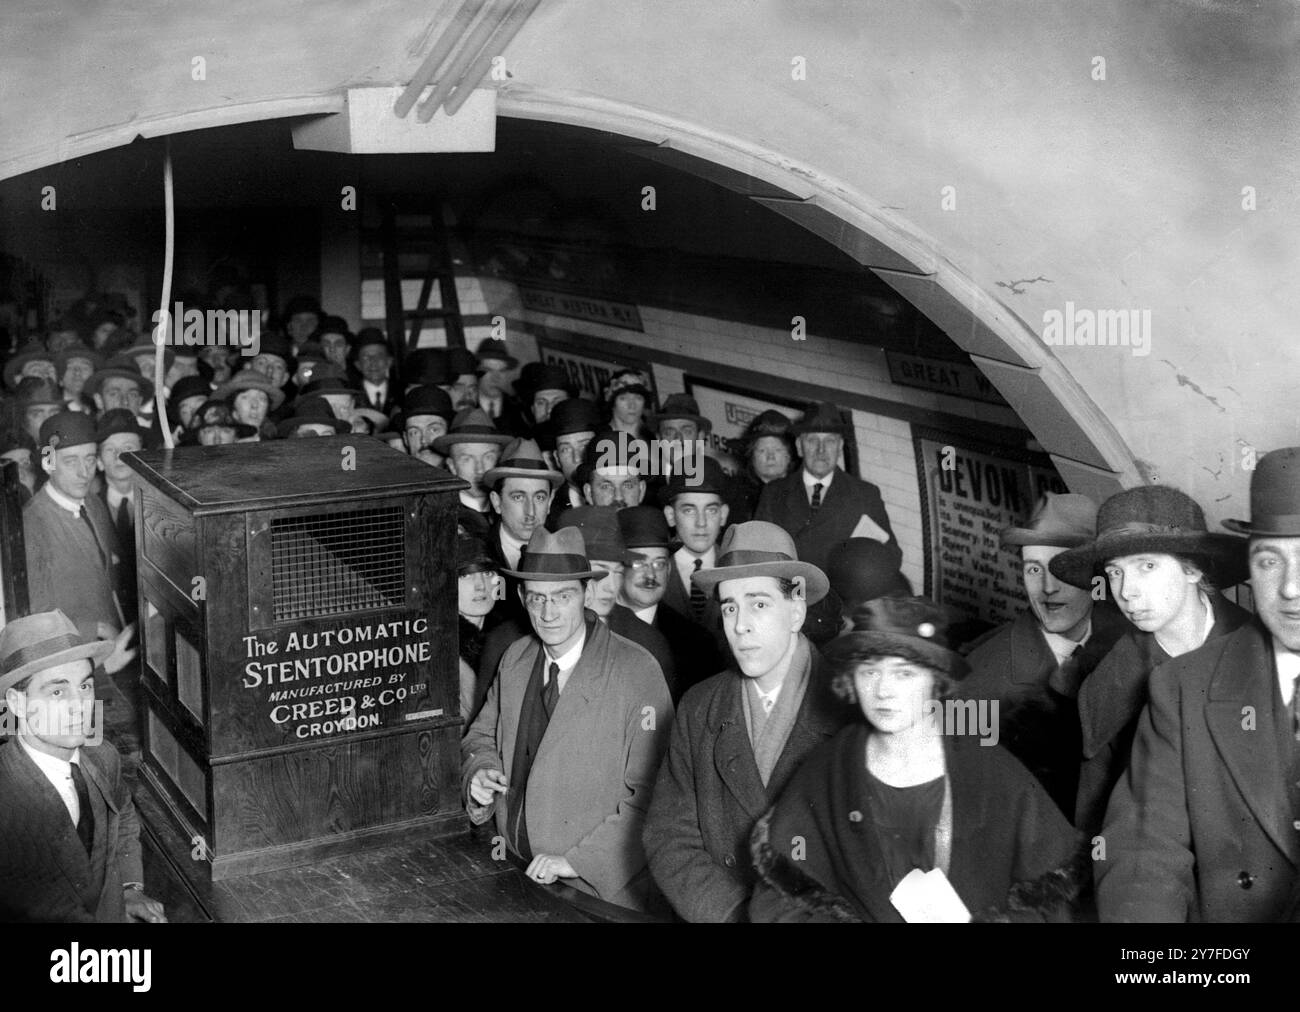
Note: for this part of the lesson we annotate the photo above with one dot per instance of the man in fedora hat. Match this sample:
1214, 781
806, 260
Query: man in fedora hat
119, 384
581, 716
647, 572
1203, 826
495, 363
69, 838
741, 734
472, 449
1032, 666
1164, 571
521, 487
820, 504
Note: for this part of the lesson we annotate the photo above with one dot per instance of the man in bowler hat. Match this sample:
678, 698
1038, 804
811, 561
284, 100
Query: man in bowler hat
69, 837
1205, 824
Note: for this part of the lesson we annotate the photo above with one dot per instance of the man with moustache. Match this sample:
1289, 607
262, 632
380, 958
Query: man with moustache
613, 475
1205, 824
1034, 665
426, 415
69, 838
647, 570
741, 734
581, 716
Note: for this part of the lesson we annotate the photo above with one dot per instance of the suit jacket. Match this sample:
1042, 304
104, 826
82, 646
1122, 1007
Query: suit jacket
1014, 855
513, 418
1036, 724
1199, 828
678, 598
65, 568
591, 779
695, 653
511, 607
785, 502
627, 625
45, 873
126, 575
1110, 705
709, 793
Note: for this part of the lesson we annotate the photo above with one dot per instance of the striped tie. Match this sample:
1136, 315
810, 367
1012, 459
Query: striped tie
816, 499
698, 600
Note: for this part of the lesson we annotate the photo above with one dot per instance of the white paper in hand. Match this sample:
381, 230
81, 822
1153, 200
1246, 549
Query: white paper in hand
927, 897
868, 528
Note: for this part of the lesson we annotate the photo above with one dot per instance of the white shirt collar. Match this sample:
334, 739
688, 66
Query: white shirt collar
809, 481
73, 506
116, 498
59, 773
684, 560
768, 699
374, 388
567, 660
1062, 646
1288, 668
647, 615
511, 547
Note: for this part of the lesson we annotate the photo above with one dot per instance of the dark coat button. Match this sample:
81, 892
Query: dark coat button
729, 860
1245, 880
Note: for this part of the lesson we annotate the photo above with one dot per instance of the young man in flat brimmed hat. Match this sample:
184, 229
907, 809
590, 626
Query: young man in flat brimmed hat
1033, 665
572, 425
741, 734
1205, 823
472, 449
69, 837
1165, 571
563, 753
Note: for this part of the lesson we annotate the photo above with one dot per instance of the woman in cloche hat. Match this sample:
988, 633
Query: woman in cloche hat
1163, 569
906, 814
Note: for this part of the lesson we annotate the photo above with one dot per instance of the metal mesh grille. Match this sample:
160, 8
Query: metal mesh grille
338, 562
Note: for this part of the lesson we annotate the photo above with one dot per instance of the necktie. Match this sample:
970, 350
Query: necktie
85, 824
698, 600
1065, 679
1295, 707
125, 531
103, 558
551, 694
816, 503
377, 400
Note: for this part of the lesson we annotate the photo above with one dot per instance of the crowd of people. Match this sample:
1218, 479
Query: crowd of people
704, 695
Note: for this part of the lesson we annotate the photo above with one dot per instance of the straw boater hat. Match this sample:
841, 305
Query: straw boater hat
758, 548
1059, 521
472, 425
522, 459
681, 406
250, 379
36, 642
1159, 519
914, 628
1274, 497
552, 558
